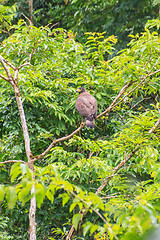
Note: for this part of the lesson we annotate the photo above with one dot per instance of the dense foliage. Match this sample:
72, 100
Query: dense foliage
115, 17
123, 150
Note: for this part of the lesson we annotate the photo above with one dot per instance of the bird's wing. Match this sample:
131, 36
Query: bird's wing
86, 105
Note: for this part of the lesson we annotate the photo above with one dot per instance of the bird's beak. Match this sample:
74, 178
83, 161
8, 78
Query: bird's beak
78, 90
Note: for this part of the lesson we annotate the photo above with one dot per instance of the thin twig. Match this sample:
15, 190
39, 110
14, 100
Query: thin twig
115, 100
142, 81
140, 102
30, 22
96, 211
25, 64
119, 166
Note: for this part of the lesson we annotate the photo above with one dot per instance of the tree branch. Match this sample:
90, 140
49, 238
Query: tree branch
140, 102
120, 165
93, 209
13, 161
113, 104
9, 64
115, 170
10, 78
6, 79
35, 158
154, 127
25, 64
126, 160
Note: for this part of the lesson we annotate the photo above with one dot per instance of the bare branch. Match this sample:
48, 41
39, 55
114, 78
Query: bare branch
9, 64
30, 22
35, 158
154, 127
4, 78
16, 76
114, 102
10, 78
25, 64
12, 161
140, 102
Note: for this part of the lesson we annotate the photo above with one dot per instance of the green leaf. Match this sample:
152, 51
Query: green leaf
2, 192
65, 198
93, 229
15, 171
11, 197
24, 168
86, 228
76, 219
24, 193
40, 194
50, 195
72, 206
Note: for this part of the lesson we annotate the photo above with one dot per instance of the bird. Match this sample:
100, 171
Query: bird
86, 105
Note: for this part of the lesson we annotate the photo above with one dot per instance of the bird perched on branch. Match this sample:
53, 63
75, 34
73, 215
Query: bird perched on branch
86, 105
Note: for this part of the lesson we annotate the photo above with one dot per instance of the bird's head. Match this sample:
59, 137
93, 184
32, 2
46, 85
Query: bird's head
81, 90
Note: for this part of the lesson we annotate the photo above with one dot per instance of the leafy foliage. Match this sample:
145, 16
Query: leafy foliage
70, 174
115, 17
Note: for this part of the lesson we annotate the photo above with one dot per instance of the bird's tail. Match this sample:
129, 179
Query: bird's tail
90, 122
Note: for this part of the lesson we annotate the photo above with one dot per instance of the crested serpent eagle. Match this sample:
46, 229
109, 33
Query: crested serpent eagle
86, 105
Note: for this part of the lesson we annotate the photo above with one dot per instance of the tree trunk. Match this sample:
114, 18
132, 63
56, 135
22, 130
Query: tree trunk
32, 210
31, 10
